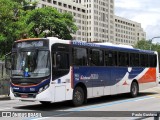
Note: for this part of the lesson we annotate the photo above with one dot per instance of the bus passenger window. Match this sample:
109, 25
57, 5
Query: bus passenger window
123, 59
96, 57
134, 60
111, 58
79, 56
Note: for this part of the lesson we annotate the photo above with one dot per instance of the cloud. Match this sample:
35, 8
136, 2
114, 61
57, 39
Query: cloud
146, 12
154, 31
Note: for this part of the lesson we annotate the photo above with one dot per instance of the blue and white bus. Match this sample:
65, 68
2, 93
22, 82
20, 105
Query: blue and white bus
53, 70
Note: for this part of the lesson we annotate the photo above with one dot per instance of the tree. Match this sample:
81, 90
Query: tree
15, 21
147, 45
143, 44
49, 21
8, 15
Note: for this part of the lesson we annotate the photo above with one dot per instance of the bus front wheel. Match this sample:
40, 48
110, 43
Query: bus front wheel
78, 96
134, 89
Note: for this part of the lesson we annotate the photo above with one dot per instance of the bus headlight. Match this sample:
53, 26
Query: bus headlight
46, 86
40, 89
43, 88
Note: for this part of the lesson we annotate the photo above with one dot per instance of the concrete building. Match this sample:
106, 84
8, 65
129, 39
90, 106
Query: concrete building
95, 20
127, 31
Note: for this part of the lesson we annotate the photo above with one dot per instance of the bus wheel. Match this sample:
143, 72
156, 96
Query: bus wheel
45, 102
78, 96
134, 89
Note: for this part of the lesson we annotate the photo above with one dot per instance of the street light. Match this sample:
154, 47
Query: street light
152, 40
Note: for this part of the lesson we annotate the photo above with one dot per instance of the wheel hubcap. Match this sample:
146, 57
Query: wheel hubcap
134, 89
78, 96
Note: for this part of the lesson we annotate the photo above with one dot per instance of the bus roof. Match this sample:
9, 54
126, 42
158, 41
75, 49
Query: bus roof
105, 45
111, 46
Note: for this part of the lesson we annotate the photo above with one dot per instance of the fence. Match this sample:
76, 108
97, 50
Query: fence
4, 80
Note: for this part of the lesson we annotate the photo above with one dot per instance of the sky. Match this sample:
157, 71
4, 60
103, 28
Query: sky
146, 12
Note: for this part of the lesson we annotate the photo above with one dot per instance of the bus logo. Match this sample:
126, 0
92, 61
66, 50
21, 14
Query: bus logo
91, 77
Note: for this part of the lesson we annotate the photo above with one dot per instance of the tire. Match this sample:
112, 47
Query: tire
78, 96
134, 89
45, 102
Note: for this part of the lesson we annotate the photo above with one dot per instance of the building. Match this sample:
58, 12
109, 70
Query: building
95, 20
127, 31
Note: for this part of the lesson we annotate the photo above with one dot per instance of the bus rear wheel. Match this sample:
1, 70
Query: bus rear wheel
134, 89
78, 96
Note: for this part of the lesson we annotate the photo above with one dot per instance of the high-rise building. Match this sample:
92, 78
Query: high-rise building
127, 31
95, 20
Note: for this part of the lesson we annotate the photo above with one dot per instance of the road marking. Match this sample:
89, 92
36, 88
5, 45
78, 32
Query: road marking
97, 106
156, 96
110, 103
5, 109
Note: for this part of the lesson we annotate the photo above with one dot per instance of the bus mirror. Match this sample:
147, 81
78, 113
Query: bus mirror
8, 61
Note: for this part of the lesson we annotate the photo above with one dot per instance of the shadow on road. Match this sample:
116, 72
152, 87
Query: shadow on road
94, 101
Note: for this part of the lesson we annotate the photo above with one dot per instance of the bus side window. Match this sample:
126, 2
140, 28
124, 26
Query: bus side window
110, 58
134, 59
80, 56
152, 60
96, 57
123, 59
62, 61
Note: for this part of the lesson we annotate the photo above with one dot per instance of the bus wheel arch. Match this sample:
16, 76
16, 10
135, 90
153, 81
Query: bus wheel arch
80, 90
134, 88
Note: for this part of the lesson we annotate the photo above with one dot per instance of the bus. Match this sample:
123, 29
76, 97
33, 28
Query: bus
51, 70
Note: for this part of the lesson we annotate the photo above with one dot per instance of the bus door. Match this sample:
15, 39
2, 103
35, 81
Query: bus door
60, 70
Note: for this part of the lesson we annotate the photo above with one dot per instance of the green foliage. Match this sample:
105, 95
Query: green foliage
16, 20
7, 17
143, 44
49, 21
147, 45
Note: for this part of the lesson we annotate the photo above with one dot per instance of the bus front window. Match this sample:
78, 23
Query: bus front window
31, 64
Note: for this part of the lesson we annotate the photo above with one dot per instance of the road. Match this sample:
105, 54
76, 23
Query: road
110, 107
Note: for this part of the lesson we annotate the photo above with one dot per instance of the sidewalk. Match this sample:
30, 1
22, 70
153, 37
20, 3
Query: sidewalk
4, 97
154, 89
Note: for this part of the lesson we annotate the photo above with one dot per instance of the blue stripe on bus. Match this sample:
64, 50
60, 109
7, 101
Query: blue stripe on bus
91, 76
29, 89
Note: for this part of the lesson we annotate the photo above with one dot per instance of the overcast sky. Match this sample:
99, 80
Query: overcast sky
146, 12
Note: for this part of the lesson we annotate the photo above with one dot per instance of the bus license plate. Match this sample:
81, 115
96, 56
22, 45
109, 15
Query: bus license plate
24, 95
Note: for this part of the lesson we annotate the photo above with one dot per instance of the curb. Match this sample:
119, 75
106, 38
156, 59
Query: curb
4, 97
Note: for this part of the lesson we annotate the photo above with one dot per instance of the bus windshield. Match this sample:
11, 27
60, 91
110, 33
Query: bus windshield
31, 64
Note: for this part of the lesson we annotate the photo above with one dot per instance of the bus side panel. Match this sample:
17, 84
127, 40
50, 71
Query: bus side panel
148, 79
96, 79
62, 88
112, 80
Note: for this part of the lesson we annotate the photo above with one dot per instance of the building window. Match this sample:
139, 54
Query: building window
65, 5
55, 2
59, 3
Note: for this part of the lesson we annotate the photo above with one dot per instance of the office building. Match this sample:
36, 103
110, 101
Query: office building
96, 21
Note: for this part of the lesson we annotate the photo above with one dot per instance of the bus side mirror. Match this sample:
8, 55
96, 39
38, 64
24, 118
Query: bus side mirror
8, 64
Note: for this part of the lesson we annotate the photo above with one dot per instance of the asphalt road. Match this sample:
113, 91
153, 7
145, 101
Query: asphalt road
109, 107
